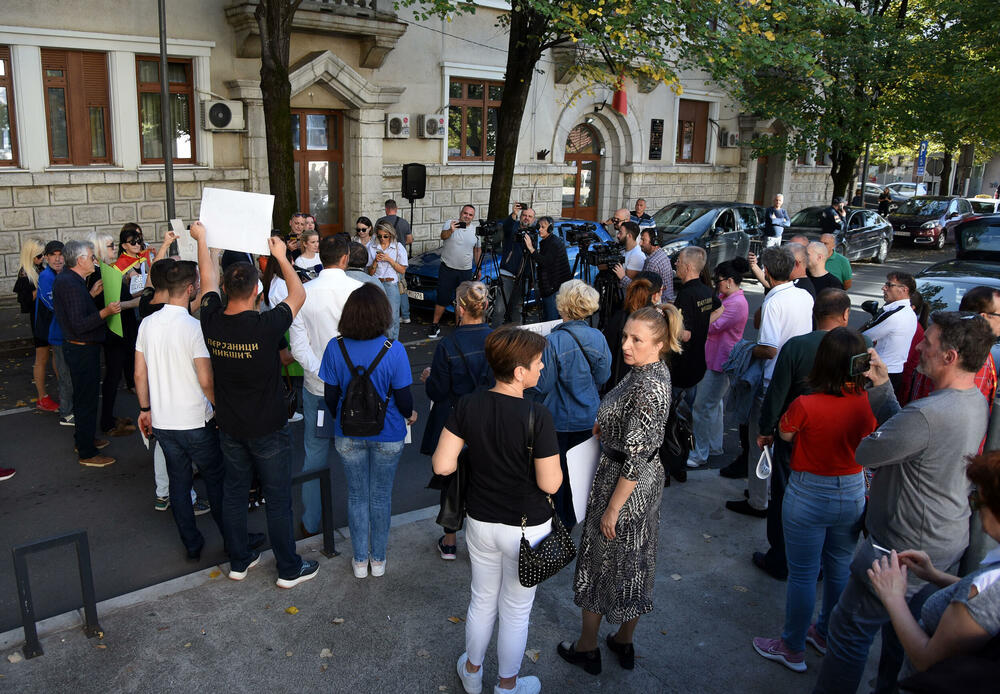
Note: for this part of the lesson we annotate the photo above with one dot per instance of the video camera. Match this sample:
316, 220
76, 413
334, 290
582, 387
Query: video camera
527, 231
487, 228
609, 254
579, 234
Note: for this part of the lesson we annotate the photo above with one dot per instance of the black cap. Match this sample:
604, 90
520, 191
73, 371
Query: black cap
837, 200
53, 247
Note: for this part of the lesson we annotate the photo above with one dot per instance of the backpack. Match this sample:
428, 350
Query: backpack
363, 410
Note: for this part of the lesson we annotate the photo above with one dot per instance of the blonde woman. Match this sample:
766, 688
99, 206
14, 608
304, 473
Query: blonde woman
26, 288
616, 564
309, 259
386, 262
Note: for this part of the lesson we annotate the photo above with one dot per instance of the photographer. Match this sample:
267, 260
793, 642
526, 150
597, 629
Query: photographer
522, 219
459, 258
628, 236
656, 261
553, 265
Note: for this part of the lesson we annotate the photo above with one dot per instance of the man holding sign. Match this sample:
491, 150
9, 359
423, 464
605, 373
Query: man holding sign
83, 332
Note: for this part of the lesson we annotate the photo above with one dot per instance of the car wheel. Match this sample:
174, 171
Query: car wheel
882, 253
939, 244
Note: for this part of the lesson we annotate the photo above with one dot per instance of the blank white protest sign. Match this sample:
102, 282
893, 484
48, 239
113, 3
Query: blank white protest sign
187, 247
237, 221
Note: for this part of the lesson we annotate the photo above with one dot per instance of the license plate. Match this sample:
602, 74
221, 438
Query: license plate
901, 232
419, 296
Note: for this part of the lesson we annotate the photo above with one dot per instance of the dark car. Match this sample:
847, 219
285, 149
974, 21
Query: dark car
868, 235
977, 247
422, 271
922, 218
724, 229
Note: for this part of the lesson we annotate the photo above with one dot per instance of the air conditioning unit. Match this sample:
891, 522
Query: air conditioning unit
397, 125
728, 139
431, 125
222, 115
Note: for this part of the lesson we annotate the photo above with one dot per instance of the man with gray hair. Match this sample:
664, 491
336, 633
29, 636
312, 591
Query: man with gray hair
83, 334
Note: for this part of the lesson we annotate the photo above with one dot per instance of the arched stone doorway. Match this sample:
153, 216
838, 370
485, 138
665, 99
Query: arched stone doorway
580, 193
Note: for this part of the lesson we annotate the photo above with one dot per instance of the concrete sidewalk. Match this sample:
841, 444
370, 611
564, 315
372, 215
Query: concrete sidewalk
397, 634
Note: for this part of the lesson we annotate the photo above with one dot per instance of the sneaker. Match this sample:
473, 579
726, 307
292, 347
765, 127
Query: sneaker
404, 320
6, 473
297, 417
472, 682
434, 332
47, 404
776, 650
162, 503
694, 463
524, 685
240, 575
360, 568
67, 421
378, 568
97, 461
308, 571
201, 507
814, 639
447, 551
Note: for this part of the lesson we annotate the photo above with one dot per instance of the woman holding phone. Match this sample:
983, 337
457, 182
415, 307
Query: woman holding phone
825, 498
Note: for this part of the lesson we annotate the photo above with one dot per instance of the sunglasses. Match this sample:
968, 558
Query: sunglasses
384, 236
39, 256
361, 230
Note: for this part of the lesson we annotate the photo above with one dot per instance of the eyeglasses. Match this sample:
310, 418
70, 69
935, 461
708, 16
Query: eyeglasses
39, 256
384, 236
890, 284
617, 221
111, 246
975, 503
990, 313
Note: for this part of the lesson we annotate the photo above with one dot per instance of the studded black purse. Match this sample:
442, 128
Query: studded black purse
552, 554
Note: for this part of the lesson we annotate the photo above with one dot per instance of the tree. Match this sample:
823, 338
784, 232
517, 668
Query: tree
614, 39
274, 19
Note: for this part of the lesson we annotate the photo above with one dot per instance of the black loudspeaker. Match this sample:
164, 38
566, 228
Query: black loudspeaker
414, 181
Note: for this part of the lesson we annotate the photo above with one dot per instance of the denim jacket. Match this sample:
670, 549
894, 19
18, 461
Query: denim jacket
570, 380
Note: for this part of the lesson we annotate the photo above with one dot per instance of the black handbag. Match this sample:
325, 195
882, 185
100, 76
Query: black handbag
452, 512
552, 554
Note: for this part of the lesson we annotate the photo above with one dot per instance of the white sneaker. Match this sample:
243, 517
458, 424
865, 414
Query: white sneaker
472, 682
297, 417
693, 463
360, 569
240, 575
378, 568
524, 685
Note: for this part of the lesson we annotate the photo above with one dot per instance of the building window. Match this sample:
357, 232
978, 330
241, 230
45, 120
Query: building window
692, 130
181, 86
77, 107
8, 134
473, 109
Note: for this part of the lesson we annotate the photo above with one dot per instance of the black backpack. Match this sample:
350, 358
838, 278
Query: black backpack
363, 411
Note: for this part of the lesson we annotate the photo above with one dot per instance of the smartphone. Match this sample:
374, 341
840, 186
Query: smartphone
523, 205
461, 225
860, 363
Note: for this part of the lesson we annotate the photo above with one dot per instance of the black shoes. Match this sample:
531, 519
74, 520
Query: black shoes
195, 554
306, 572
735, 470
743, 506
759, 560
624, 651
590, 661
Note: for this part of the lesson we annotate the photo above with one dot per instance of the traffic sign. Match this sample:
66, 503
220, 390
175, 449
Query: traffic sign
922, 158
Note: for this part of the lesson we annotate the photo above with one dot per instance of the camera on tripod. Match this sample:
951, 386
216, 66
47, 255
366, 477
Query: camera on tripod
609, 254
579, 234
527, 231
487, 228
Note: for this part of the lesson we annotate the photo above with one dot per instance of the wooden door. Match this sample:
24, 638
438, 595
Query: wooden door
318, 139
580, 189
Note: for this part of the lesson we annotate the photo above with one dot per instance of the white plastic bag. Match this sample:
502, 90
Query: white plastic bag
764, 464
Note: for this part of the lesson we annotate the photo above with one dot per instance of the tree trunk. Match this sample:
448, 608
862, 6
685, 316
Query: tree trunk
523, 53
945, 186
842, 170
274, 18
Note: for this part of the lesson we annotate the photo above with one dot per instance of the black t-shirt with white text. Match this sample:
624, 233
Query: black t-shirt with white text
249, 399
696, 301
501, 485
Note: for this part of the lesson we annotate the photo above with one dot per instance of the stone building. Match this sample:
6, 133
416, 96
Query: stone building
372, 89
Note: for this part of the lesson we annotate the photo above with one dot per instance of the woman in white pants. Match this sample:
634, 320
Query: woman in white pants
506, 483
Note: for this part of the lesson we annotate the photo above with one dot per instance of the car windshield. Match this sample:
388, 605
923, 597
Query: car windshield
809, 217
673, 219
924, 206
983, 206
941, 294
980, 237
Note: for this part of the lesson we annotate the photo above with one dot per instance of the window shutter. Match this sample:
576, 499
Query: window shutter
95, 79
53, 60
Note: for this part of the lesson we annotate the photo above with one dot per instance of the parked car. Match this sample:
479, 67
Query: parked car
868, 235
977, 262
724, 229
422, 271
923, 218
906, 189
984, 205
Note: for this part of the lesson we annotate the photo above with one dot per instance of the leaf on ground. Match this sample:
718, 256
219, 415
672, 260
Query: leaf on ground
442, 688
292, 610
162, 628
326, 653
423, 653
20, 403
203, 632
101, 645
322, 668
706, 536
676, 577
187, 645
663, 631
100, 634
15, 657
533, 654
215, 573
741, 589
455, 620
288, 654
338, 620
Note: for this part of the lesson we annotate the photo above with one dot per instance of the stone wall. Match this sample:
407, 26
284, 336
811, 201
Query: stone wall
662, 187
810, 186
74, 204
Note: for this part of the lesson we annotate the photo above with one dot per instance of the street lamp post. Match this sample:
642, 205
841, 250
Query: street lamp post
165, 126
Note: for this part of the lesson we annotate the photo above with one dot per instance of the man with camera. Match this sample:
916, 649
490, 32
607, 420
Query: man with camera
515, 228
628, 236
552, 263
459, 258
656, 261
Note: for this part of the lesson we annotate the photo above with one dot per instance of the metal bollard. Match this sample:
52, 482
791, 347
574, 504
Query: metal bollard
326, 497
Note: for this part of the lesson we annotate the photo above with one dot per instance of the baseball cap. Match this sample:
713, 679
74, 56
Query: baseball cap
53, 247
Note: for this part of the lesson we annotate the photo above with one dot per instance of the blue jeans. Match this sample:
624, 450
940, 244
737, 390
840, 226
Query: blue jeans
708, 416
404, 305
182, 449
392, 294
549, 310
317, 456
822, 518
370, 467
271, 456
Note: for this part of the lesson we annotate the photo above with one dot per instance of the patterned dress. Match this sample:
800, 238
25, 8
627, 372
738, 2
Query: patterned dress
615, 577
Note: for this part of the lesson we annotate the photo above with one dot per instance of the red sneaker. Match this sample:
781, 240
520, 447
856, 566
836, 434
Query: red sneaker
6, 473
47, 404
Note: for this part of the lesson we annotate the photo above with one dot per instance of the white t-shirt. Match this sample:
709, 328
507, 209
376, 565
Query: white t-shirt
893, 334
457, 252
170, 340
307, 263
635, 259
277, 292
786, 313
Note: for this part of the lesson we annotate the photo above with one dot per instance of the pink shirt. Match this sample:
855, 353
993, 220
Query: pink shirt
727, 330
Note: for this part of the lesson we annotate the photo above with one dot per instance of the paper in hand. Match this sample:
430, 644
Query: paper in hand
237, 221
187, 247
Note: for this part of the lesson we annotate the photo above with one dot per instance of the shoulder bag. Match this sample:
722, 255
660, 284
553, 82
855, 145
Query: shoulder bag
552, 554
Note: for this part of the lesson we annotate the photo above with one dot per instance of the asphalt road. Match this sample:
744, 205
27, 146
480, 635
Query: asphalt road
132, 545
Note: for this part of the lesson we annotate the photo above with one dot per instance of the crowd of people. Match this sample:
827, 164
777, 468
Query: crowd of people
863, 436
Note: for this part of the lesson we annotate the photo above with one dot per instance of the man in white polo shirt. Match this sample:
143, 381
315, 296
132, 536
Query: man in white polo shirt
173, 382
891, 331
459, 257
786, 313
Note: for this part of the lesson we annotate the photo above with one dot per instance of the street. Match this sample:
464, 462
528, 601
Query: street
132, 545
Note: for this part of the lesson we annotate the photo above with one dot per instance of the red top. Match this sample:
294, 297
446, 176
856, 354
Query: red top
828, 430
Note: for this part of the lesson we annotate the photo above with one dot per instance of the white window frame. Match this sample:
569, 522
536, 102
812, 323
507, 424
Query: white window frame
464, 71
29, 94
714, 100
